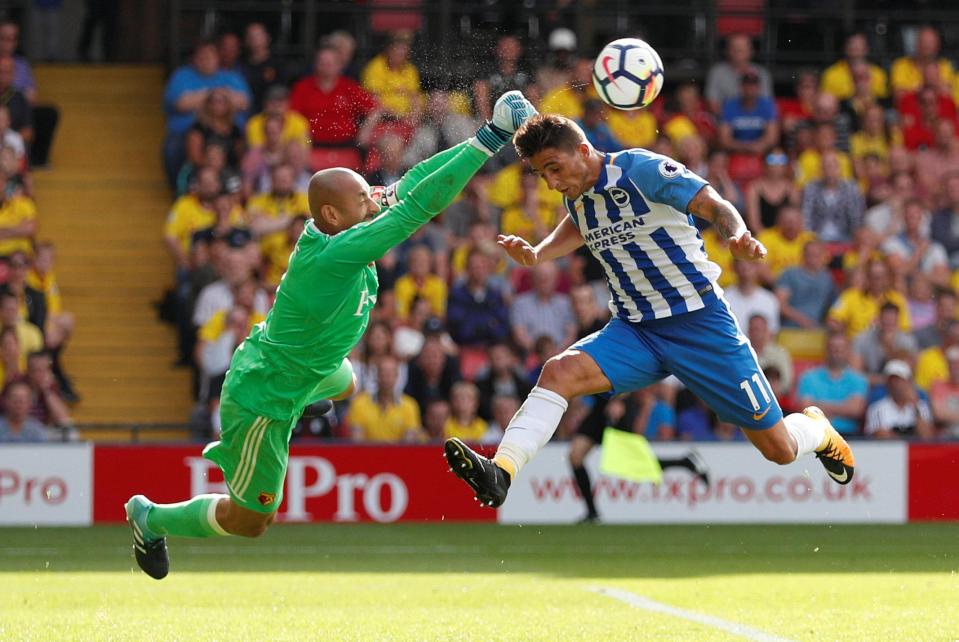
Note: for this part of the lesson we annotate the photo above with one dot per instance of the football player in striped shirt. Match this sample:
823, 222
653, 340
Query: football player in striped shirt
634, 211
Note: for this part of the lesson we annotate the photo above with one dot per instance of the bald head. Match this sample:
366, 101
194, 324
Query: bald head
339, 199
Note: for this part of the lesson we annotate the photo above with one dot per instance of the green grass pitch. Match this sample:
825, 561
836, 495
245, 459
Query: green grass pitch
487, 582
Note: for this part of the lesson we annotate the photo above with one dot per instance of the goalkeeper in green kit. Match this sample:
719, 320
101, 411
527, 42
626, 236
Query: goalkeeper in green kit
297, 356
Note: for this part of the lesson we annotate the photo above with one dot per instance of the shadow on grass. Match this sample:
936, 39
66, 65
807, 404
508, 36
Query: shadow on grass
563, 551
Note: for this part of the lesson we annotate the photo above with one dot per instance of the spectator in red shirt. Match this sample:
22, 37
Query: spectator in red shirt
691, 111
914, 105
919, 118
341, 113
794, 112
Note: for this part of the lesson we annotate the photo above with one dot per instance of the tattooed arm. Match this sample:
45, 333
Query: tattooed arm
710, 206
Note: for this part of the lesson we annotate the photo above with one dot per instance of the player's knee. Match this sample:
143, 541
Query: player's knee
558, 376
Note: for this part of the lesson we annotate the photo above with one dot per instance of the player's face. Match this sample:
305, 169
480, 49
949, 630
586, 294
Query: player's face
564, 171
357, 206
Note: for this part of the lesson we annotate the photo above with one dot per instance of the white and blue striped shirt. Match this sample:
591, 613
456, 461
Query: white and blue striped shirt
635, 222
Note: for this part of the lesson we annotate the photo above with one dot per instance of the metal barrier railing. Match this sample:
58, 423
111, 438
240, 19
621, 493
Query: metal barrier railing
133, 432
459, 31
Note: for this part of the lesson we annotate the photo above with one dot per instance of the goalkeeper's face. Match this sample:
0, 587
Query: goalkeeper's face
339, 199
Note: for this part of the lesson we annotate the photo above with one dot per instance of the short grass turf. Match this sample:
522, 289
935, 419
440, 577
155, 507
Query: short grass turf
487, 582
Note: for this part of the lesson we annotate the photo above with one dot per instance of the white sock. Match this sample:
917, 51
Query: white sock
211, 513
807, 432
530, 428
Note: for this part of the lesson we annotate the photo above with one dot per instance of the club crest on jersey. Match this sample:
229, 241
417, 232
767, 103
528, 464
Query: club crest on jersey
266, 498
620, 196
670, 169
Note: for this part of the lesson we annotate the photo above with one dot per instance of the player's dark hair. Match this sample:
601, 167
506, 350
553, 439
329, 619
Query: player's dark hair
544, 131
889, 306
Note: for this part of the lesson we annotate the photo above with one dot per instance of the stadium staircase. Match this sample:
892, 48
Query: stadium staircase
103, 202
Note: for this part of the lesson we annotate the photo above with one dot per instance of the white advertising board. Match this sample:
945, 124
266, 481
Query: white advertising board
49, 484
744, 488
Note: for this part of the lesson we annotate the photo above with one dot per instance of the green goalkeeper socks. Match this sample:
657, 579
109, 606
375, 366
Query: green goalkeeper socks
193, 518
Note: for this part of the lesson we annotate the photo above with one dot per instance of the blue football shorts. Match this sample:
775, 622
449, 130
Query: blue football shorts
705, 349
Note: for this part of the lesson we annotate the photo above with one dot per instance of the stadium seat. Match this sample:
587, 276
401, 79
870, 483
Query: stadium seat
395, 15
326, 157
802, 344
740, 16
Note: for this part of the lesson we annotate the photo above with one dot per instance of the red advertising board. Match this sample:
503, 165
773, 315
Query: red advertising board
324, 483
933, 482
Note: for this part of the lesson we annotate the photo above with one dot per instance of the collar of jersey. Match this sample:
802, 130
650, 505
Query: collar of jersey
312, 229
602, 179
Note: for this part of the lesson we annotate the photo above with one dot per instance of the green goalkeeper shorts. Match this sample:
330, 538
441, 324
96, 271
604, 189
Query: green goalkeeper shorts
254, 450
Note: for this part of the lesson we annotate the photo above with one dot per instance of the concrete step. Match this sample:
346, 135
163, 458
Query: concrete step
103, 204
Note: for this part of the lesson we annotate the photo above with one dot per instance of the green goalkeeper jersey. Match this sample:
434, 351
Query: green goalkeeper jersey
324, 300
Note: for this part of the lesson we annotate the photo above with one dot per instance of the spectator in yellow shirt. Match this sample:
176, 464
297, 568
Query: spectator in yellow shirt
809, 163
395, 81
43, 278
464, 423
244, 298
482, 237
784, 243
906, 73
857, 308
191, 213
18, 223
932, 366
40, 303
387, 416
420, 283
271, 213
633, 128
530, 208
295, 128
837, 79
217, 339
568, 99
717, 249
876, 138
11, 360
29, 336
277, 250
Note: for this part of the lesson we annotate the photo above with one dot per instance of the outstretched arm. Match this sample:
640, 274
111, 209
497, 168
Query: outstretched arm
424, 168
431, 186
432, 194
560, 242
710, 206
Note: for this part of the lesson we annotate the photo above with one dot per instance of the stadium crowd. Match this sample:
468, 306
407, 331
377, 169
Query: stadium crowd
35, 393
850, 179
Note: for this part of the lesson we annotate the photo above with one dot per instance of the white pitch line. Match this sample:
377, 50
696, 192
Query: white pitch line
640, 602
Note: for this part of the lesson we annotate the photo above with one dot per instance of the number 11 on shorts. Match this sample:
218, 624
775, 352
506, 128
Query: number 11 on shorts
747, 387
